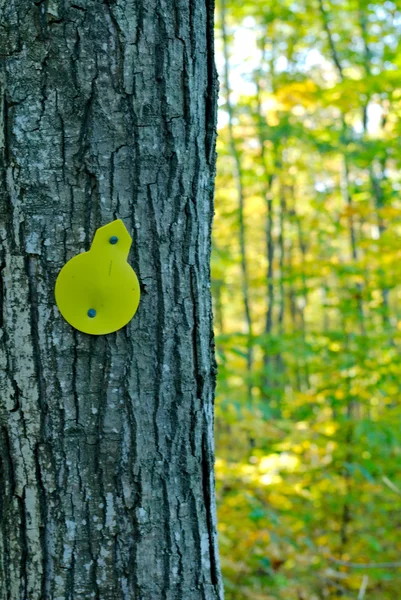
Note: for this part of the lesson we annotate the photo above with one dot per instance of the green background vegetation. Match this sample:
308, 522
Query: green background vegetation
306, 280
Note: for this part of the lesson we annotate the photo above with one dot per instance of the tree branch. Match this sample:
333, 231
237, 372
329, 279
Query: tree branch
353, 565
333, 49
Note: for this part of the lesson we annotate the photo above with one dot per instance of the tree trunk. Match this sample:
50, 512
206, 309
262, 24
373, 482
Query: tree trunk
238, 174
106, 447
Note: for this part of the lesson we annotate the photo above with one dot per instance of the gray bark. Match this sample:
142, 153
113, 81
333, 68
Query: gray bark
106, 446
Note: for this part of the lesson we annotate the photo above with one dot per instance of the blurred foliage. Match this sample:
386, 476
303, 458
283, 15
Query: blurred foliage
306, 281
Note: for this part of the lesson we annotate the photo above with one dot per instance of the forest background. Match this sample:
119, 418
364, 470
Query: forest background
306, 280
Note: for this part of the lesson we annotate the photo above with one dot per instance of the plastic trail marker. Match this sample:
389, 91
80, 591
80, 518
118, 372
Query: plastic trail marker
97, 292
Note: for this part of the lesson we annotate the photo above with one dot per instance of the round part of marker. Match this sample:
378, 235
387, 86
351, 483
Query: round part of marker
97, 291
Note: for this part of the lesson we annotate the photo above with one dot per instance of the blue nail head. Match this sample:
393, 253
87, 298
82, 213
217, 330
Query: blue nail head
91, 313
113, 239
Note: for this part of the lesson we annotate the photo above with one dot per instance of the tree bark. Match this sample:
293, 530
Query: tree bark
106, 447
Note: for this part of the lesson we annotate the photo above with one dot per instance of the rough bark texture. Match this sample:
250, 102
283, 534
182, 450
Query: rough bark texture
106, 448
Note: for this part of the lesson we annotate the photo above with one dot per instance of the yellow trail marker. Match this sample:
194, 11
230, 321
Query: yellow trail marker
97, 292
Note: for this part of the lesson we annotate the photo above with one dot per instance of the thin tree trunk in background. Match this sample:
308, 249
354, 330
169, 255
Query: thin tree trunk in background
241, 201
300, 310
345, 186
217, 285
106, 448
376, 186
346, 515
268, 180
267, 368
378, 195
294, 312
346, 512
281, 262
